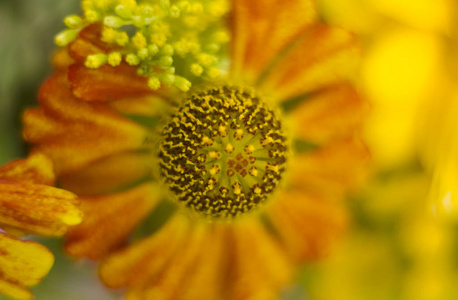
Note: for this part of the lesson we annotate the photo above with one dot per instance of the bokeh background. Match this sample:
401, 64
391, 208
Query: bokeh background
402, 238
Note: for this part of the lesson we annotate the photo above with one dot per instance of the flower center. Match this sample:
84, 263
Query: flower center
224, 152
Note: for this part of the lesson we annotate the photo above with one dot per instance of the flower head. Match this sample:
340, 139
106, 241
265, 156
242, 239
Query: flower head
226, 188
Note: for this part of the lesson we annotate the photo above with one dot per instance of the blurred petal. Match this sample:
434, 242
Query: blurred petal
89, 42
109, 174
107, 83
208, 278
168, 282
37, 168
307, 225
67, 129
37, 208
109, 219
22, 263
138, 263
262, 29
330, 114
322, 57
260, 267
327, 171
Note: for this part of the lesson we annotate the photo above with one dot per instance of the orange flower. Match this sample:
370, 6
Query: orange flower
255, 169
29, 204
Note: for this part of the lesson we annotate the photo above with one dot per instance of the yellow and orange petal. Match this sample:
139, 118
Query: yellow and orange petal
109, 219
267, 25
37, 208
325, 171
307, 224
323, 56
260, 267
90, 124
329, 114
36, 169
22, 264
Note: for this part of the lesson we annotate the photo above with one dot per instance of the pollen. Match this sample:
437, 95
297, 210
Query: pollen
223, 139
151, 35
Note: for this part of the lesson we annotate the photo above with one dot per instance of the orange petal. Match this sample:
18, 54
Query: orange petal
208, 279
261, 29
308, 225
137, 264
109, 174
37, 168
324, 56
37, 208
74, 133
333, 113
107, 83
62, 60
108, 220
332, 169
261, 268
167, 284
89, 42
22, 263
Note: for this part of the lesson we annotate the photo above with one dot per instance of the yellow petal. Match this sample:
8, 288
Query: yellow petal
14, 290
109, 219
37, 208
307, 224
22, 263
261, 29
260, 267
138, 263
323, 56
37, 168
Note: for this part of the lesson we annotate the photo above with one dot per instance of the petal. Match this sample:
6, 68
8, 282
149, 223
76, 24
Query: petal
74, 133
109, 219
14, 290
307, 224
107, 83
327, 171
89, 42
261, 29
260, 267
37, 168
62, 60
209, 277
168, 282
322, 57
109, 174
135, 265
37, 208
331, 114
22, 263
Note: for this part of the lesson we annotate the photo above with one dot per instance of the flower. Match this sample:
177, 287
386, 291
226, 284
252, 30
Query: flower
29, 204
172, 41
231, 186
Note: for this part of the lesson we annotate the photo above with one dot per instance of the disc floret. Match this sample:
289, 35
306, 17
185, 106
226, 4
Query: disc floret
223, 152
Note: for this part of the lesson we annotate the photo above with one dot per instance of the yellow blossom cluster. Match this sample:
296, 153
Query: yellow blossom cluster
171, 42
